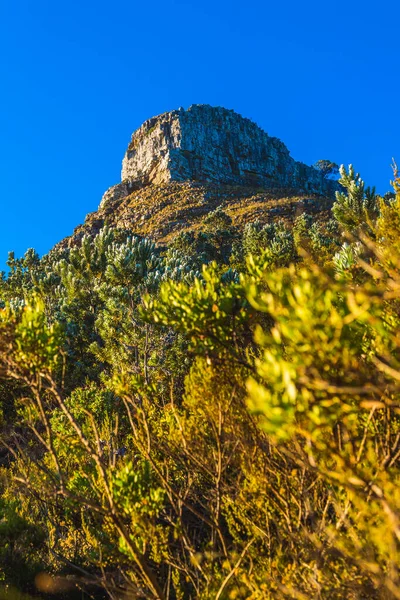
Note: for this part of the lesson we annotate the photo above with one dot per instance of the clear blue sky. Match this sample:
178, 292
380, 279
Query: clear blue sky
78, 77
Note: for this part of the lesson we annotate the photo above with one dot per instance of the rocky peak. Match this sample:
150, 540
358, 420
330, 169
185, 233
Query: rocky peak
183, 164
213, 144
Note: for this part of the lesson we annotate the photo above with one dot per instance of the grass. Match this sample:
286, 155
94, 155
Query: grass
162, 211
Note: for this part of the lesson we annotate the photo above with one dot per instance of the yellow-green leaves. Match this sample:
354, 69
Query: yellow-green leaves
134, 490
209, 311
275, 408
311, 370
33, 344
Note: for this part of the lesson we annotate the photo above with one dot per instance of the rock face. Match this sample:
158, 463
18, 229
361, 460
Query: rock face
184, 164
213, 145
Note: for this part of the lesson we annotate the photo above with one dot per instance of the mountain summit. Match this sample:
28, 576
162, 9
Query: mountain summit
214, 145
183, 164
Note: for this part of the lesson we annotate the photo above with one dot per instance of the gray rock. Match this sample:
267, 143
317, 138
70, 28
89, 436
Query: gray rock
120, 191
207, 144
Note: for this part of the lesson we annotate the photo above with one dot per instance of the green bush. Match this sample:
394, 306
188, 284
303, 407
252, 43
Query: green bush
169, 433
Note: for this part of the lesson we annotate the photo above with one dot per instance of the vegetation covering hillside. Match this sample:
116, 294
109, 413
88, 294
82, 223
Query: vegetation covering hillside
163, 211
216, 417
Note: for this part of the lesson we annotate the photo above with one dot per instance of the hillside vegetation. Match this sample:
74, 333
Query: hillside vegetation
160, 212
214, 417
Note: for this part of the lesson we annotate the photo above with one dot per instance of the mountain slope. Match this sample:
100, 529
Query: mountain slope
162, 211
182, 165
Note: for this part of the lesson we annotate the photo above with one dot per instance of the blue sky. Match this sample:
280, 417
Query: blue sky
78, 77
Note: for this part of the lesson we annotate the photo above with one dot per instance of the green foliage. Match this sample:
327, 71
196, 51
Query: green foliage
273, 241
212, 311
20, 539
313, 239
388, 225
357, 207
34, 345
132, 490
345, 260
327, 168
175, 430
212, 242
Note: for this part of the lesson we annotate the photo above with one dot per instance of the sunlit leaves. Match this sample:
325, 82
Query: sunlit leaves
32, 342
210, 311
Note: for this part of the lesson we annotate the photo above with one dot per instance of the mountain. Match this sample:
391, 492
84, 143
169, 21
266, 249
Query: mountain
214, 419
183, 164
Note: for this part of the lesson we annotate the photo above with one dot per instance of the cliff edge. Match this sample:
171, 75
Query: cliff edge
183, 164
214, 145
